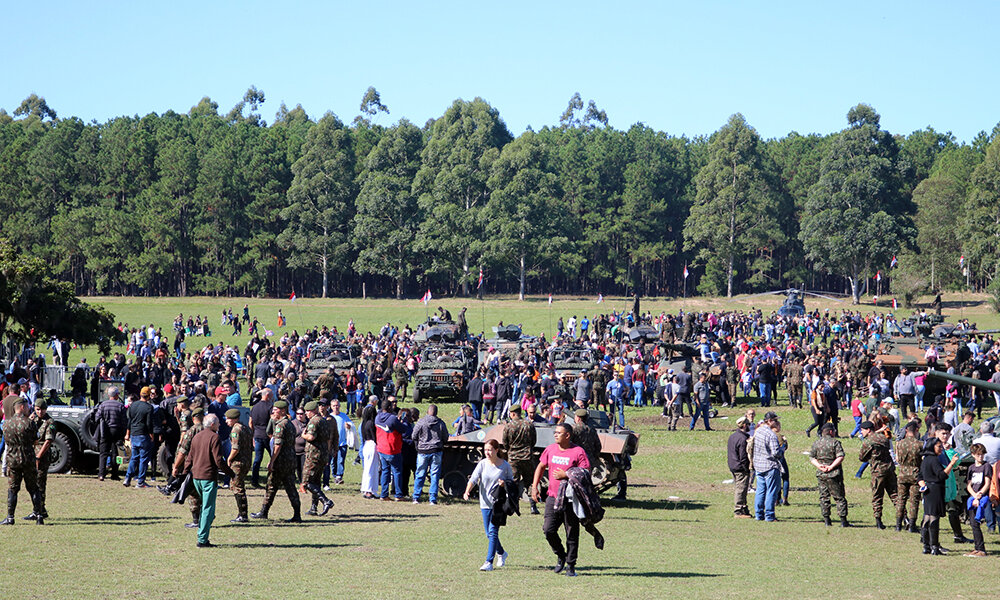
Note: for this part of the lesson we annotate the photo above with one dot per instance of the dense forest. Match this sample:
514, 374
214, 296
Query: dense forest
225, 203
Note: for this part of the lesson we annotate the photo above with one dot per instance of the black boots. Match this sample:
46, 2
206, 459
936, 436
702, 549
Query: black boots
318, 496
843, 522
932, 544
878, 523
925, 539
827, 521
899, 523
297, 507
262, 514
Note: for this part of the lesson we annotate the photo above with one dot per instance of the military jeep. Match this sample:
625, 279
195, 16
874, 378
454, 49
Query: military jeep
568, 361
339, 356
444, 371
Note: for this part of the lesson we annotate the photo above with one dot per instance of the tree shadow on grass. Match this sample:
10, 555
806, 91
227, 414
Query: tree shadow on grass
656, 504
632, 572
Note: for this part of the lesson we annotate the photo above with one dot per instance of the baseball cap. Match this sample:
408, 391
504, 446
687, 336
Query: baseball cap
770, 416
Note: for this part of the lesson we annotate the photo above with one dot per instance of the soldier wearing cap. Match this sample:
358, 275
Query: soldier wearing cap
281, 469
317, 457
585, 436
183, 448
46, 429
519, 438
20, 436
826, 455
909, 454
875, 451
239, 460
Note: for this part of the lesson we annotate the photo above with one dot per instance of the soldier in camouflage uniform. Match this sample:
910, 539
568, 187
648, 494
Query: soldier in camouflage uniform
281, 468
875, 451
327, 383
599, 379
826, 455
46, 429
793, 381
585, 437
184, 420
183, 447
20, 436
909, 454
519, 438
240, 461
317, 458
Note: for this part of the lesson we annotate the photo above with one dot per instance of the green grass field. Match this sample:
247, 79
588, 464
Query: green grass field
675, 536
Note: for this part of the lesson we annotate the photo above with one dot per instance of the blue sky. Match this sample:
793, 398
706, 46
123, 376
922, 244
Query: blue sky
679, 67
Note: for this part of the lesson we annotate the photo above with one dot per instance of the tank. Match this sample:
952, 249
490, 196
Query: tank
969, 381
437, 330
462, 453
909, 350
509, 339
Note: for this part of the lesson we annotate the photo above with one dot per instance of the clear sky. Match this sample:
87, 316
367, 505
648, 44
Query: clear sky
679, 67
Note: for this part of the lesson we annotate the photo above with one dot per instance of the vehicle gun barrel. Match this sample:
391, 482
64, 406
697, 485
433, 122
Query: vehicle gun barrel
976, 383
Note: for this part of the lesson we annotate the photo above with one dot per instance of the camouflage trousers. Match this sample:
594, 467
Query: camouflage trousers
908, 497
42, 481
795, 394
238, 486
882, 485
194, 503
832, 487
15, 475
281, 478
524, 473
312, 468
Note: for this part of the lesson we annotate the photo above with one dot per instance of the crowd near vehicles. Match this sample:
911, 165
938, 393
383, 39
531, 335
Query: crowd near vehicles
341, 357
568, 361
444, 371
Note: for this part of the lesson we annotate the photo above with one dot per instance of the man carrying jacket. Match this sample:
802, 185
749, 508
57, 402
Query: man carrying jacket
429, 435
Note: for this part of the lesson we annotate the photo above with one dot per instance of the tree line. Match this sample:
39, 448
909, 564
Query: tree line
215, 203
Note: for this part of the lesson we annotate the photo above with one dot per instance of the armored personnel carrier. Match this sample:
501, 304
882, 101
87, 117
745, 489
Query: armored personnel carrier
618, 446
437, 331
444, 370
568, 361
339, 356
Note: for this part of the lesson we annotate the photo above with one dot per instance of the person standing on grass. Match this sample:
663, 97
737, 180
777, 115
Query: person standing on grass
19, 437
739, 466
281, 469
703, 399
933, 475
978, 487
558, 458
138, 429
429, 435
909, 454
204, 464
827, 454
490, 474
240, 441
766, 448
875, 452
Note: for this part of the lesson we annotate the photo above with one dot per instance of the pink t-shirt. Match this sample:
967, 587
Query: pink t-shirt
555, 457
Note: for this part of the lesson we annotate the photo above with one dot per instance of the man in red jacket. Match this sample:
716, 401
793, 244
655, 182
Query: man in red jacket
389, 444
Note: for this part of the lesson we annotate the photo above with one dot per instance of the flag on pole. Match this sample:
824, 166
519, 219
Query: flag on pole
550, 298
426, 297
480, 284
600, 298
894, 307
878, 276
685, 271
961, 261
292, 297
892, 265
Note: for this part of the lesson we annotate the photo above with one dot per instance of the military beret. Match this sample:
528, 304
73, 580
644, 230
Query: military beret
41, 404
867, 425
313, 405
19, 400
515, 408
233, 413
183, 400
198, 412
582, 412
281, 404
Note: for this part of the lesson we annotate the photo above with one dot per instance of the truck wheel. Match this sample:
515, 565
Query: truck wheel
416, 395
88, 429
453, 483
61, 453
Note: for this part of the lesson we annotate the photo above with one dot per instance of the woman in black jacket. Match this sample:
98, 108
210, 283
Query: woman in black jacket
933, 476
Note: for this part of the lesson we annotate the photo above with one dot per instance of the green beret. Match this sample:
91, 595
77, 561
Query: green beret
582, 412
19, 400
41, 404
281, 404
198, 412
183, 400
313, 406
233, 413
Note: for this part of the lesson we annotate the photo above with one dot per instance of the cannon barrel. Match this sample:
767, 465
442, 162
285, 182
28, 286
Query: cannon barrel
977, 383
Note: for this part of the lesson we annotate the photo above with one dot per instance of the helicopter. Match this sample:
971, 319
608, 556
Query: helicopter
795, 304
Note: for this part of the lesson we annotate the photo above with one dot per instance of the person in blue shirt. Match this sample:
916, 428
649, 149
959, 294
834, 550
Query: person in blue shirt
616, 392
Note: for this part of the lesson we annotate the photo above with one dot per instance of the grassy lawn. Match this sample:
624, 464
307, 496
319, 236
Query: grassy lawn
675, 536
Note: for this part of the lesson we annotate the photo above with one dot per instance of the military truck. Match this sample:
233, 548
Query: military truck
568, 361
437, 331
340, 356
76, 435
618, 446
444, 370
508, 339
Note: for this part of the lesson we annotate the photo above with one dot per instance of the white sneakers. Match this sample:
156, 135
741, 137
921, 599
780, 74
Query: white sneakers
502, 560
487, 566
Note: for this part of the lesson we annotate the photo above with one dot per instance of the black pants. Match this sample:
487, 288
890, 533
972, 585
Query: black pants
409, 466
818, 420
906, 405
550, 526
977, 530
107, 449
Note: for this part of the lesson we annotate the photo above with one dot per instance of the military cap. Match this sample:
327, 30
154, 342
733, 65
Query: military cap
582, 412
183, 400
41, 404
515, 408
233, 413
313, 405
830, 427
198, 412
867, 425
281, 404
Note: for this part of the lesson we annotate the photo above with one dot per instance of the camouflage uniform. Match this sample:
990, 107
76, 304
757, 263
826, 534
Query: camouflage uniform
281, 471
909, 454
519, 438
588, 439
875, 451
183, 447
19, 434
793, 373
599, 379
241, 439
826, 449
185, 421
317, 459
46, 429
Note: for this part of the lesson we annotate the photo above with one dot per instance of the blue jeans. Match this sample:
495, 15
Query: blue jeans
700, 410
765, 394
139, 460
861, 470
259, 446
207, 489
637, 389
493, 545
391, 464
620, 405
920, 398
768, 483
432, 460
337, 463
857, 426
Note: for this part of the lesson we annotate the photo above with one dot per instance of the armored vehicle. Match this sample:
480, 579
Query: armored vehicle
444, 371
618, 445
509, 339
908, 342
568, 361
340, 356
437, 331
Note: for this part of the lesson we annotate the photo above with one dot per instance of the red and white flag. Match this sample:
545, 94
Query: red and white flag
961, 261
292, 297
550, 298
480, 283
685, 271
878, 276
600, 298
426, 297
894, 307
892, 264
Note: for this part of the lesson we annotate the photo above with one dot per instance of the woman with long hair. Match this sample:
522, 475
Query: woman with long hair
491, 474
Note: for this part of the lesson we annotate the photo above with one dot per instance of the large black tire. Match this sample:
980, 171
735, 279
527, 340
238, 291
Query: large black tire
88, 430
453, 483
61, 454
